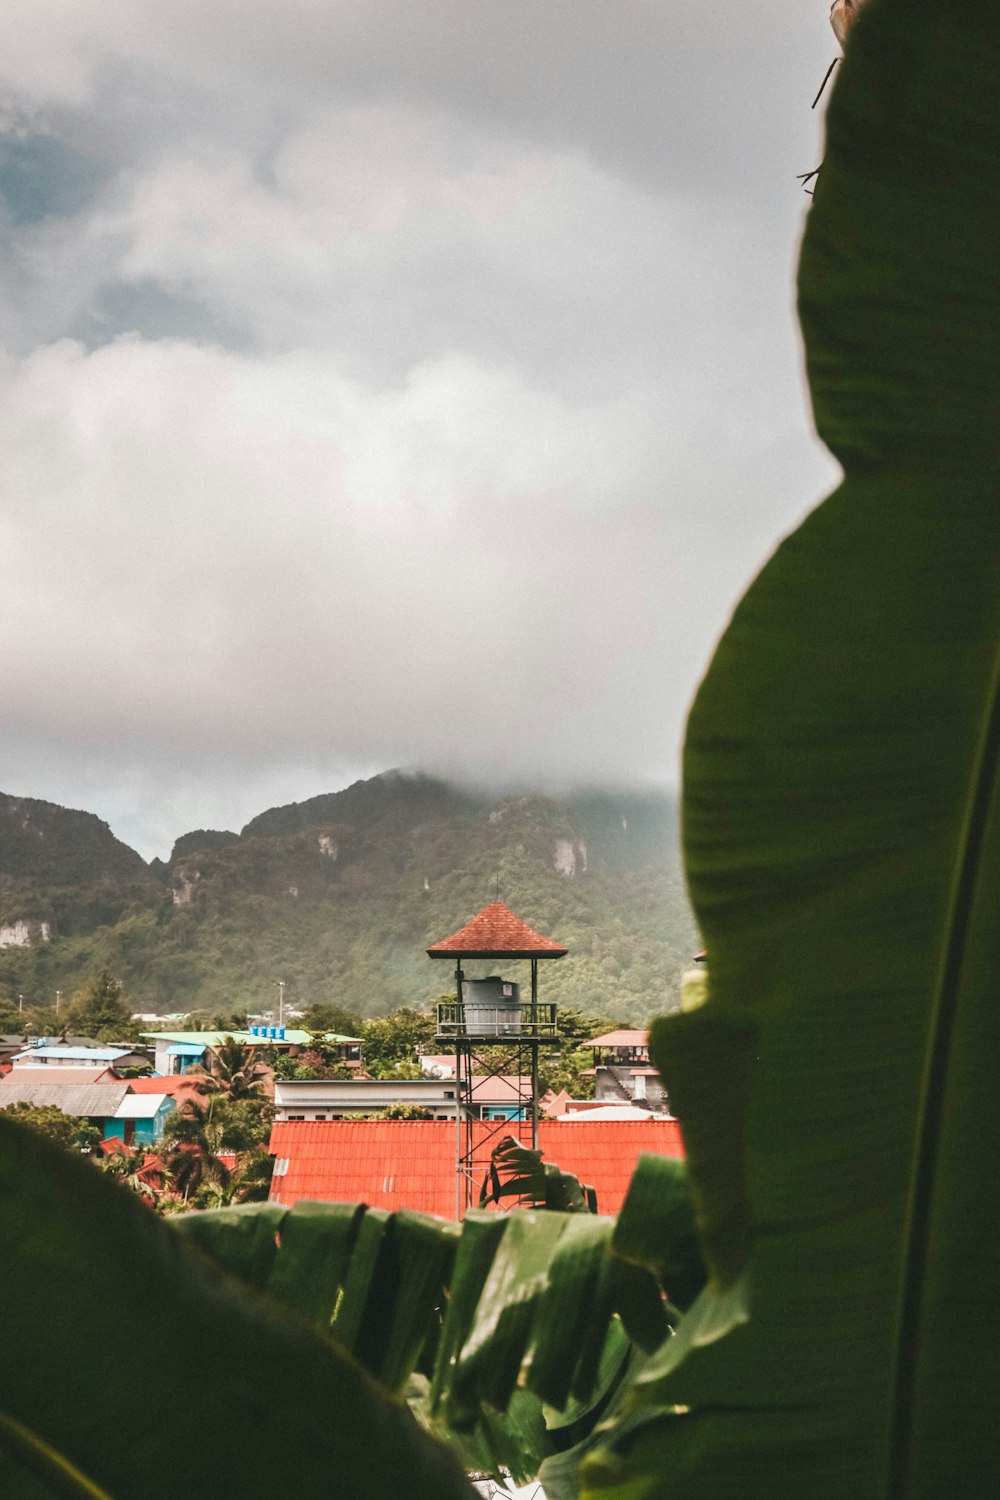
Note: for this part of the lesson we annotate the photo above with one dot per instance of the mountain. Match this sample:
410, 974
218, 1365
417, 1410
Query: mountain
63, 872
339, 896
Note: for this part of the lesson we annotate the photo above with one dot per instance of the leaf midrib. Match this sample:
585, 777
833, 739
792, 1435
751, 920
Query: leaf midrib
968, 863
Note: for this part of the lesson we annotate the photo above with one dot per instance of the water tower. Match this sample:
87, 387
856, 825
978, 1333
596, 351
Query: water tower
495, 1034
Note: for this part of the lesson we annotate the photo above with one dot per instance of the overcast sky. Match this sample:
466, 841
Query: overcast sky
387, 383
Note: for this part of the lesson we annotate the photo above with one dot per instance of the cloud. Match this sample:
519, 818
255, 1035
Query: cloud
246, 544
387, 385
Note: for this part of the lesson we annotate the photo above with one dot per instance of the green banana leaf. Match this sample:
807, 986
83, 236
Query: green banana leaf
838, 1088
518, 1172
511, 1334
108, 1313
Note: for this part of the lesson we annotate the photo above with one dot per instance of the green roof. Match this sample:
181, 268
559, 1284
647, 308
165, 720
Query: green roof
216, 1038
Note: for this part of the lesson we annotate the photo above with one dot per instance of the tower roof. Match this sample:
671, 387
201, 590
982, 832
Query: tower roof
496, 933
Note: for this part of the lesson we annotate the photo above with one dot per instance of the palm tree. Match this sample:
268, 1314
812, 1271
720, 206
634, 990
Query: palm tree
138, 1170
249, 1182
234, 1070
192, 1158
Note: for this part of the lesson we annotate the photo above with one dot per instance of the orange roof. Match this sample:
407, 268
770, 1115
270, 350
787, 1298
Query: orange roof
402, 1164
496, 933
179, 1085
619, 1039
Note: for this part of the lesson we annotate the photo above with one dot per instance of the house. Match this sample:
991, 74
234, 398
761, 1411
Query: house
499, 1096
45, 1054
140, 1119
180, 1087
396, 1164
178, 1051
97, 1103
106, 1102
11, 1042
623, 1071
350, 1098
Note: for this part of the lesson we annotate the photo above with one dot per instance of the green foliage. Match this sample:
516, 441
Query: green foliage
518, 1172
245, 1123
100, 1012
192, 1142
137, 1170
117, 1268
842, 833
51, 1122
198, 1135
249, 1182
224, 1020
568, 1069
510, 1333
335, 1018
402, 1112
389, 1044
234, 1070
351, 942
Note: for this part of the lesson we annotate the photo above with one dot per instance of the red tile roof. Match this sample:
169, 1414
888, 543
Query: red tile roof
400, 1164
496, 933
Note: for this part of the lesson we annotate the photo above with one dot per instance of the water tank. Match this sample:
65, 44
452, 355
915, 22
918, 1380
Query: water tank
492, 1006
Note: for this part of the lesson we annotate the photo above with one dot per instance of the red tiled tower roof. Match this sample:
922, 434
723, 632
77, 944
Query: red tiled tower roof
496, 933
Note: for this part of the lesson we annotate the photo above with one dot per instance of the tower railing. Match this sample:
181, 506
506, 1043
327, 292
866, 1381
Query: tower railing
530, 1019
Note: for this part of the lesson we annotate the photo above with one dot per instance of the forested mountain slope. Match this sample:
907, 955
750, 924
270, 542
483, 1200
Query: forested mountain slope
338, 896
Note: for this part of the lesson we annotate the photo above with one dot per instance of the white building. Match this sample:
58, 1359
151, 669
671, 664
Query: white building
351, 1098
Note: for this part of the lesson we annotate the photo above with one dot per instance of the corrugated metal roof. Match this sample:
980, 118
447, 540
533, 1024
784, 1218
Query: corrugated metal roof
496, 932
619, 1039
79, 1054
292, 1037
612, 1112
100, 1100
140, 1106
400, 1164
46, 1072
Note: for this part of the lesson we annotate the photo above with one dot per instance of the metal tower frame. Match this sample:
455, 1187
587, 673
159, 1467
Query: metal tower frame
493, 1052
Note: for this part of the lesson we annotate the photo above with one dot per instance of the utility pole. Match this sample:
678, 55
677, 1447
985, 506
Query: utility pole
58, 998
281, 1001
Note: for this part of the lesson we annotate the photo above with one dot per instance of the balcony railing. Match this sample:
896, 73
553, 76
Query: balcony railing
527, 1020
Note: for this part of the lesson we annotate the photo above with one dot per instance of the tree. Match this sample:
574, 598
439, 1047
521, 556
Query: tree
336, 1018
244, 1124
192, 1141
234, 1070
402, 1112
139, 1170
249, 1182
390, 1043
570, 1069
100, 1012
51, 1122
